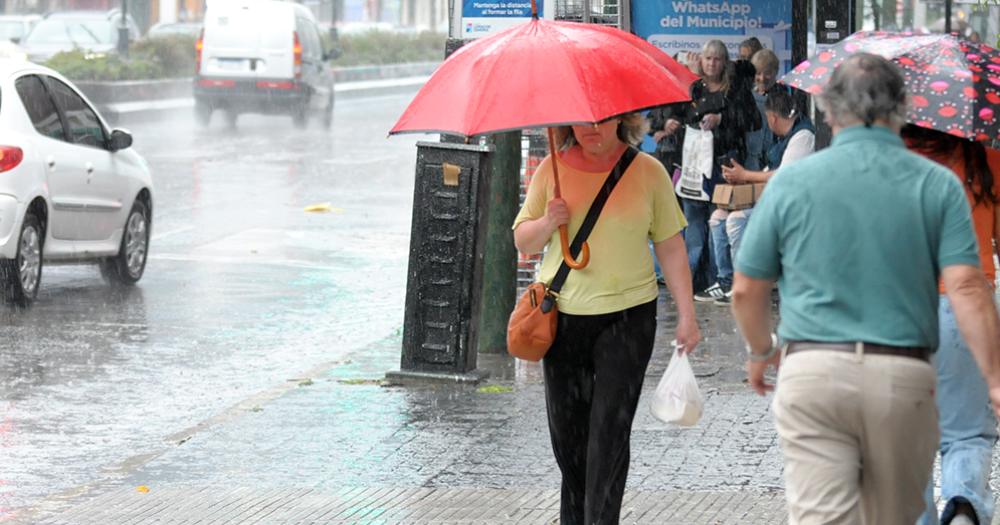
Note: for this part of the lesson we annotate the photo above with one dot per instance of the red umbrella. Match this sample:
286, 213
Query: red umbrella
954, 84
542, 74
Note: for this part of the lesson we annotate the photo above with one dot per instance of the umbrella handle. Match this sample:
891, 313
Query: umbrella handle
564, 230
567, 256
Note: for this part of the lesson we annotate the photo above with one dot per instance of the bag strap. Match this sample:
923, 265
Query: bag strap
614, 176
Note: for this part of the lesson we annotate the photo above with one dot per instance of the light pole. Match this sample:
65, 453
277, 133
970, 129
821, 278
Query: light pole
123, 31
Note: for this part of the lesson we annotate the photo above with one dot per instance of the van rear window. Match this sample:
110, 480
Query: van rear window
257, 27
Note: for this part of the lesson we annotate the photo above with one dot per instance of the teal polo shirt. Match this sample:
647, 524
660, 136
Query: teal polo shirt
857, 235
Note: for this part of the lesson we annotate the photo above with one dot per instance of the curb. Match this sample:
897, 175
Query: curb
143, 110
148, 99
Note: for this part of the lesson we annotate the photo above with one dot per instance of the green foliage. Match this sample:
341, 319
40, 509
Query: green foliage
173, 56
81, 65
174, 52
384, 47
168, 57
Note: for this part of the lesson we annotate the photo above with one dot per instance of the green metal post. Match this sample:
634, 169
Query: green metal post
499, 291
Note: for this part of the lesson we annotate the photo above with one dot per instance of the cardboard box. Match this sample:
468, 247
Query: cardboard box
737, 196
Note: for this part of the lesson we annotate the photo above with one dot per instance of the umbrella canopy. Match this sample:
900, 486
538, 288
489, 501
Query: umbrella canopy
954, 83
544, 73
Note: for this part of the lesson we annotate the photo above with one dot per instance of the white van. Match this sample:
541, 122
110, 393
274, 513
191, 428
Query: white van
262, 56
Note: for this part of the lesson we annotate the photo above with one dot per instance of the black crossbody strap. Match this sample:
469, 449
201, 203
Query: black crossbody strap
595, 211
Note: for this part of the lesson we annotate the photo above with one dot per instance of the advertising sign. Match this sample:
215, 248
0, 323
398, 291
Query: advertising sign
484, 17
685, 25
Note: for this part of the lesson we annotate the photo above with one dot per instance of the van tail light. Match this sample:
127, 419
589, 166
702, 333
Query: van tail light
297, 53
10, 157
216, 83
198, 46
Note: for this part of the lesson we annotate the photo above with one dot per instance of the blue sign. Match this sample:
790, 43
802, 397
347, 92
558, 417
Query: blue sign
676, 26
482, 17
498, 8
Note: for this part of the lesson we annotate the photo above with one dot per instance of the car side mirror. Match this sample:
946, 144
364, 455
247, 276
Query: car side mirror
120, 139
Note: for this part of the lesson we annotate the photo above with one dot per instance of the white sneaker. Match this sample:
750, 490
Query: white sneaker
962, 519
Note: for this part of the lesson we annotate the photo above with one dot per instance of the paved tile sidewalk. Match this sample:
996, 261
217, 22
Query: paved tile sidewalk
211, 506
439, 453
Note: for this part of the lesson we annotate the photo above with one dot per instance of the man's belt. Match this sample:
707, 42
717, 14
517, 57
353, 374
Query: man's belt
915, 352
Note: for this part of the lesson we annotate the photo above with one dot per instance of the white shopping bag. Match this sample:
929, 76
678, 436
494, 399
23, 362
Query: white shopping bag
677, 399
697, 164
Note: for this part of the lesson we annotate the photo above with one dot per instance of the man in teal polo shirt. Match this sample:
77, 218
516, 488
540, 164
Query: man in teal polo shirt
857, 236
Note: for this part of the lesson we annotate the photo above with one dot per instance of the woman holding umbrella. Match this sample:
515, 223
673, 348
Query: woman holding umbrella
968, 427
607, 311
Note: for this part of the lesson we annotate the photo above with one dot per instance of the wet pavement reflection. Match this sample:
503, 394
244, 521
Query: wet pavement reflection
243, 290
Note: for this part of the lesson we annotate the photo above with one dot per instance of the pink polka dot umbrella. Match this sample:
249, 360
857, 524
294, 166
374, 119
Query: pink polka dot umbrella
954, 84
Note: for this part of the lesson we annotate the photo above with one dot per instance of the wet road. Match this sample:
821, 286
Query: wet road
244, 292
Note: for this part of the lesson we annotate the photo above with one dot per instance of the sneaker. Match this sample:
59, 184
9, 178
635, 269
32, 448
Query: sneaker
962, 519
725, 300
710, 294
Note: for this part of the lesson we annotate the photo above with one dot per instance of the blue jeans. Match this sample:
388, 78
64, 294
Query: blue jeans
968, 427
721, 253
736, 224
696, 240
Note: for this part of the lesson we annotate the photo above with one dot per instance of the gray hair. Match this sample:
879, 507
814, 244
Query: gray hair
765, 60
863, 89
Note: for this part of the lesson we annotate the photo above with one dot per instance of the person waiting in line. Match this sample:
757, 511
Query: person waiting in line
594, 370
667, 129
857, 236
750, 47
796, 139
765, 64
668, 133
723, 104
968, 427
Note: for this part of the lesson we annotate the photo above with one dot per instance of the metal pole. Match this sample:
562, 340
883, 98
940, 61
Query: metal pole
947, 17
499, 285
123, 31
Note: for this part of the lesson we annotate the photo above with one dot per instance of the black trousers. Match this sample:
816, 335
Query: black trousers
593, 378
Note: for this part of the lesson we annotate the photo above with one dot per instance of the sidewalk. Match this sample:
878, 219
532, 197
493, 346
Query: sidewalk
205, 505
341, 446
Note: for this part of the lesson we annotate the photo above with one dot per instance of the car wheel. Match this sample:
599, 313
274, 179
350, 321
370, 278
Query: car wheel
202, 113
127, 267
328, 115
22, 274
300, 116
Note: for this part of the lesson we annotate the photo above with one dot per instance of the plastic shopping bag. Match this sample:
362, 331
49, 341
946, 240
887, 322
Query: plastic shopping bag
697, 164
677, 399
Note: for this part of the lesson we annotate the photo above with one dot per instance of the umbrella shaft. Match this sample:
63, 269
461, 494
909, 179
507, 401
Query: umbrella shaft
555, 166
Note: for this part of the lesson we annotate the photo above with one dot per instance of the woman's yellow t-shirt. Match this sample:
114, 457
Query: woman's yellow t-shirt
641, 207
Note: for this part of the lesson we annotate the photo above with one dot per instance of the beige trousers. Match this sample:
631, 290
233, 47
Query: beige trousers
858, 433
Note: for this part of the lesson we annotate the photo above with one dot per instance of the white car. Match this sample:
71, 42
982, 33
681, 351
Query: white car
71, 189
14, 27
